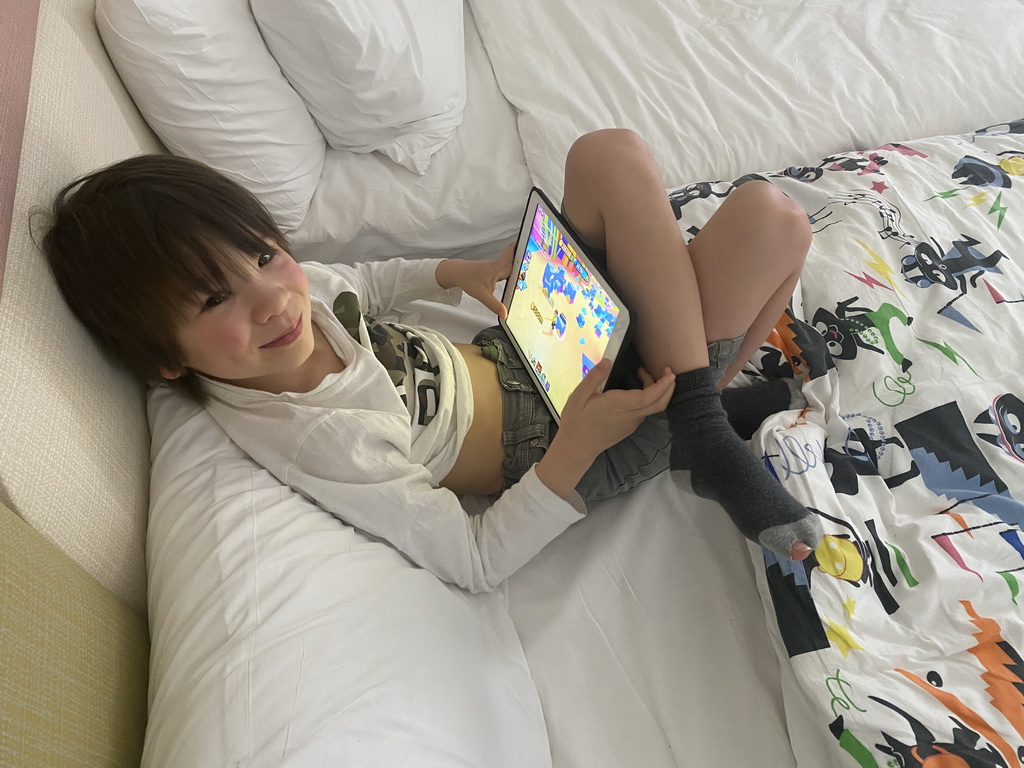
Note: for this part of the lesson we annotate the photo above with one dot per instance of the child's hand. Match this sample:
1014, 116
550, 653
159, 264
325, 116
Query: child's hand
598, 420
593, 421
478, 278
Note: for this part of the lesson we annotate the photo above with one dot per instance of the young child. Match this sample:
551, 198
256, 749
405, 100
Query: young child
184, 277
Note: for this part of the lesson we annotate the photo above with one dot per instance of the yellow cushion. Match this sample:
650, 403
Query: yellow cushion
73, 660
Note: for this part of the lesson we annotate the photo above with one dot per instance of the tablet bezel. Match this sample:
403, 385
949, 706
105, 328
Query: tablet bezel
621, 332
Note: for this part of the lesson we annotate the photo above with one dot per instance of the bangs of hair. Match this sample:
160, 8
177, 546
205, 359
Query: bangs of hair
197, 264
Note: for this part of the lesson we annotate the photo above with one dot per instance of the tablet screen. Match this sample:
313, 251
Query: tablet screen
559, 314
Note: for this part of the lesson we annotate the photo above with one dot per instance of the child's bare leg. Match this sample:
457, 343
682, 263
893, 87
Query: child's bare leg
763, 238
734, 279
616, 200
747, 259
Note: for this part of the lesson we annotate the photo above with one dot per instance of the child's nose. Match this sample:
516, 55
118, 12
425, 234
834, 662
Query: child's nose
271, 300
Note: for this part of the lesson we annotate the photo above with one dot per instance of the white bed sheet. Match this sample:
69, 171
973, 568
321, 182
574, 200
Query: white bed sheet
723, 87
643, 635
368, 207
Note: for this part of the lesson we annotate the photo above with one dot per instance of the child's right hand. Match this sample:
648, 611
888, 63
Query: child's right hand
597, 420
593, 421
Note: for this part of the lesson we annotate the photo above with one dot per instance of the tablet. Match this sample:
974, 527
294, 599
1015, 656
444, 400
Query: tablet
563, 316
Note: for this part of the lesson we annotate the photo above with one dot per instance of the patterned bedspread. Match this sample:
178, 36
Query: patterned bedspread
905, 630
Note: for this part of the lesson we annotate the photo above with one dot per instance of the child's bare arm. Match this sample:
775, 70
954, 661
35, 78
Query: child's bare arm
593, 421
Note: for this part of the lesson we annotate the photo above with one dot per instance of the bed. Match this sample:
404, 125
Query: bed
650, 633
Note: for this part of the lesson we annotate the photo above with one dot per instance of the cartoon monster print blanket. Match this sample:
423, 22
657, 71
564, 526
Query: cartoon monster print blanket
905, 630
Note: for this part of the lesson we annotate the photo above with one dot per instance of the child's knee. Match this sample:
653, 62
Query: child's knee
609, 151
608, 141
778, 218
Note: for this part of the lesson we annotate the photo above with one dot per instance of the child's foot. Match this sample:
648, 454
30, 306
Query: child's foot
748, 407
724, 469
800, 551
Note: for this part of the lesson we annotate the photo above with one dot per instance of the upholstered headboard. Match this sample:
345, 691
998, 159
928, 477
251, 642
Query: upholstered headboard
17, 41
74, 452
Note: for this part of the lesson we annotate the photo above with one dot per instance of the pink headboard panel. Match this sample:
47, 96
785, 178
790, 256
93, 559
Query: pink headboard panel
17, 43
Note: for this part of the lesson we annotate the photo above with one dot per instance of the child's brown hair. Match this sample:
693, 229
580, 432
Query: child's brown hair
132, 245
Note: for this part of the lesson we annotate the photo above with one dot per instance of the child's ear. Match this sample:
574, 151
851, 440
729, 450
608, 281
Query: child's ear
169, 374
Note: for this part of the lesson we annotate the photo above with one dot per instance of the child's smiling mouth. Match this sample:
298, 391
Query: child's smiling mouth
287, 337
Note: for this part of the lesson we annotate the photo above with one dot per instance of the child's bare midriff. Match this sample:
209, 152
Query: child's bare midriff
478, 468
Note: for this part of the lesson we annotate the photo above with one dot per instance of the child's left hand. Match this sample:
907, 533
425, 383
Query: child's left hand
478, 278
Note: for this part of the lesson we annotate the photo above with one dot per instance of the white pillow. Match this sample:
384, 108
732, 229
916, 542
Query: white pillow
367, 207
281, 637
207, 85
385, 76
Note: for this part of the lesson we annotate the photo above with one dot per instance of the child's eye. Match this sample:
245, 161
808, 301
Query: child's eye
264, 258
214, 299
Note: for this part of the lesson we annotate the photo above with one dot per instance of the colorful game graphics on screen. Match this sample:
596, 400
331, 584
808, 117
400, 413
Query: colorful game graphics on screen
563, 318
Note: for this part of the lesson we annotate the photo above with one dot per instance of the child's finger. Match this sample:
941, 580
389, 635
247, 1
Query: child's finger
662, 402
655, 397
504, 262
492, 302
647, 380
595, 377
497, 307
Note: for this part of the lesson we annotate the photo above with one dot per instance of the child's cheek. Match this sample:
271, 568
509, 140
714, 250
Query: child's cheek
297, 275
228, 338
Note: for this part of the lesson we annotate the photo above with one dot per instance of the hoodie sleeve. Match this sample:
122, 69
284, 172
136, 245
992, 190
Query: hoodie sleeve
384, 285
372, 486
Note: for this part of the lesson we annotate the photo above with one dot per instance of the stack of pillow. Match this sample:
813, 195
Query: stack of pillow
258, 91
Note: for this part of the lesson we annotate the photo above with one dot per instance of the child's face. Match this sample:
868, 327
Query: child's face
258, 335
